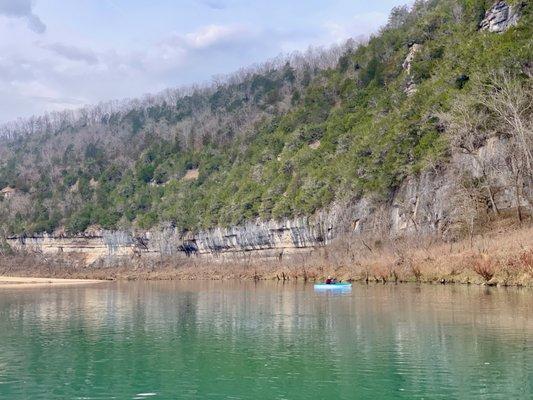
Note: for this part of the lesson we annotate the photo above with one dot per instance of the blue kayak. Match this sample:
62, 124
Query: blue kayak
334, 286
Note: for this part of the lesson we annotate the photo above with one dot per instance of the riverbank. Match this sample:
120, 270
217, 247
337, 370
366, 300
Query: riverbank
502, 256
30, 282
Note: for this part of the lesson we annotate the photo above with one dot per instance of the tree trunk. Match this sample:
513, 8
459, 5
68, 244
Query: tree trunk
471, 232
517, 196
492, 202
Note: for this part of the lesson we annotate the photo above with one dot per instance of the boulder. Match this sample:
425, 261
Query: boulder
500, 17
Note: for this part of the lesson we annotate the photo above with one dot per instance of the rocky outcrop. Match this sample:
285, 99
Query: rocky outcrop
90, 248
413, 49
501, 17
266, 239
410, 86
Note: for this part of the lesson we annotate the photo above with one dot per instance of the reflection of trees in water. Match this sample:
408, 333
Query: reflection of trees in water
196, 336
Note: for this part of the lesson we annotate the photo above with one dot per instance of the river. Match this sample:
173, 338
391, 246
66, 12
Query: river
233, 340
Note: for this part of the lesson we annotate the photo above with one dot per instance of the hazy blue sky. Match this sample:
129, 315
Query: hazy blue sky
57, 54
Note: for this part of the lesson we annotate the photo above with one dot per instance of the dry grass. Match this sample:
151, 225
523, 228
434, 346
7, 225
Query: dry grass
502, 256
485, 266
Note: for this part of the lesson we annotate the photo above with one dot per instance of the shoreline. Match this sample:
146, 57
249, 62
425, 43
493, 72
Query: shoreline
44, 282
500, 257
19, 282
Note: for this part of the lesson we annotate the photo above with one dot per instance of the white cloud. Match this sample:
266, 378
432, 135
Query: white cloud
360, 24
34, 90
207, 51
209, 36
214, 34
72, 53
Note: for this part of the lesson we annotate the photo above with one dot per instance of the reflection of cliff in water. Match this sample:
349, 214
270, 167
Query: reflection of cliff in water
236, 305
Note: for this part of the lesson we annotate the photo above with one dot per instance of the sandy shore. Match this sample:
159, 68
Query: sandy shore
27, 282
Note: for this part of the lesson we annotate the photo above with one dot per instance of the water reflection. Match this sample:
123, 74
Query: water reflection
248, 340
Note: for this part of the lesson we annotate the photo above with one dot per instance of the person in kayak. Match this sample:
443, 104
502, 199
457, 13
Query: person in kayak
331, 281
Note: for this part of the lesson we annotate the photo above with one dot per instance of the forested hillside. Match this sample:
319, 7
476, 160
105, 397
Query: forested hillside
281, 140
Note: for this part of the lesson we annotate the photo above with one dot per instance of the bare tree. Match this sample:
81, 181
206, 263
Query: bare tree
469, 204
510, 101
500, 109
469, 131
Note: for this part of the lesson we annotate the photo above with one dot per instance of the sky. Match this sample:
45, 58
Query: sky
58, 54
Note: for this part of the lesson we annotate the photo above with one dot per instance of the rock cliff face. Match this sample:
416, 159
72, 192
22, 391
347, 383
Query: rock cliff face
422, 205
501, 17
267, 239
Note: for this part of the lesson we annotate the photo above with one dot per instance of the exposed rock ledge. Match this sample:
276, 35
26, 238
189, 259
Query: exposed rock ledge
501, 17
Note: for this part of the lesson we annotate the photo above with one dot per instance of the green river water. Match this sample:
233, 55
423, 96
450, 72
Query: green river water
230, 340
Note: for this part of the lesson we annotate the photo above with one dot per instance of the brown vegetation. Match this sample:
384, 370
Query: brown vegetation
502, 256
